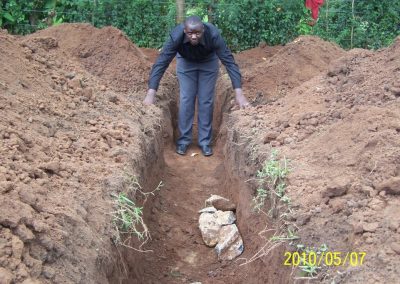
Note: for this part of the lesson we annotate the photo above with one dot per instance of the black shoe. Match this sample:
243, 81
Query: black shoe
181, 149
206, 150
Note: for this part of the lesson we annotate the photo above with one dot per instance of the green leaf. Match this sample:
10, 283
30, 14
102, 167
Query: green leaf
8, 16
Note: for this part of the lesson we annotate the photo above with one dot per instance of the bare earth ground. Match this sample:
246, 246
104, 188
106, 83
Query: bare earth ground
72, 128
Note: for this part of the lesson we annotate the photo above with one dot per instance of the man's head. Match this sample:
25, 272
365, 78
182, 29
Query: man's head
194, 29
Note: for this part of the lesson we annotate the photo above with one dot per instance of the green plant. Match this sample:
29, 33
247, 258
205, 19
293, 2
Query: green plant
128, 220
259, 199
310, 269
272, 184
128, 216
288, 237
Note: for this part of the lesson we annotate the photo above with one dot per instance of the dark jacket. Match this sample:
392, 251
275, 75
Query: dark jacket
211, 45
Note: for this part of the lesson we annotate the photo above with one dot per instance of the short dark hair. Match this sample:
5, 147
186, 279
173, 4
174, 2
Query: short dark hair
192, 20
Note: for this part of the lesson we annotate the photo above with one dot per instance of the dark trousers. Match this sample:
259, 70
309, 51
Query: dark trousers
196, 79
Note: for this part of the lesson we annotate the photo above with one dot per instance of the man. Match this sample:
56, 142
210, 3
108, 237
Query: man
198, 46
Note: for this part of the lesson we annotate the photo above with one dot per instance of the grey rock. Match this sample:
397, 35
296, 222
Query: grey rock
225, 217
210, 209
230, 243
209, 229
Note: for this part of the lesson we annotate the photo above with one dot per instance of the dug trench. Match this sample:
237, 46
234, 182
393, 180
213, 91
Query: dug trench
176, 252
73, 128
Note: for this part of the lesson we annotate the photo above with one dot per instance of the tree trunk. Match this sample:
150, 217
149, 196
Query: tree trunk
352, 24
211, 11
180, 11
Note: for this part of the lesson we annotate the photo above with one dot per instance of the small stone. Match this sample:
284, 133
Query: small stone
391, 186
103, 88
75, 84
48, 272
338, 187
87, 93
358, 228
17, 247
208, 210
370, 227
51, 167
393, 225
70, 75
275, 143
303, 219
24, 233
368, 190
6, 276
270, 136
395, 246
288, 140
369, 240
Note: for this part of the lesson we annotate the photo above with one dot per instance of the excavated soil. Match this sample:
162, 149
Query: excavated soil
73, 129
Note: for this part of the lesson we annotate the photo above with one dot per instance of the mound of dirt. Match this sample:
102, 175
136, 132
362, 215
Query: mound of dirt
280, 70
67, 139
341, 133
106, 53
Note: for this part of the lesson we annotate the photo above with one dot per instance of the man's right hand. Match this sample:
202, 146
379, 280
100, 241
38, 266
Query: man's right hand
150, 98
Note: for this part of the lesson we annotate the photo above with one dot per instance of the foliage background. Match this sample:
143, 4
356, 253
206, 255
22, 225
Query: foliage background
244, 23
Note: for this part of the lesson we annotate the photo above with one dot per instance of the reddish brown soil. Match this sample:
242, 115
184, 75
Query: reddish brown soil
72, 126
341, 133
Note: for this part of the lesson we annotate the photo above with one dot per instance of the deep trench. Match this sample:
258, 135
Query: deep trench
178, 252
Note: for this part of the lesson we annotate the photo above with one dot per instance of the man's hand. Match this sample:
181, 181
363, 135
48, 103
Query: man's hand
150, 98
241, 99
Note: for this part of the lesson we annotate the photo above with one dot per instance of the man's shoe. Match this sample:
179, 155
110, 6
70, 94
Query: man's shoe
181, 149
206, 150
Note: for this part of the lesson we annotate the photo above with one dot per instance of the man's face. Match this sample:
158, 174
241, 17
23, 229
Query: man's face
194, 33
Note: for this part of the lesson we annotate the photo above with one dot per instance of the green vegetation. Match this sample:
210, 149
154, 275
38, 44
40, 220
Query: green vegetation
244, 24
128, 219
272, 186
128, 216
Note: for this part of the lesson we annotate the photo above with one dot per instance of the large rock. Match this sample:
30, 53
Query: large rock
220, 203
225, 217
209, 228
233, 251
230, 243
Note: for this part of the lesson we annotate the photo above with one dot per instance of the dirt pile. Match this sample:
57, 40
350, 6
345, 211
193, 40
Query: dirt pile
106, 53
341, 133
67, 139
280, 69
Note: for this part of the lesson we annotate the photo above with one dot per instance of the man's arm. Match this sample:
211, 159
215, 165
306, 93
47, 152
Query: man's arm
226, 57
157, 71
